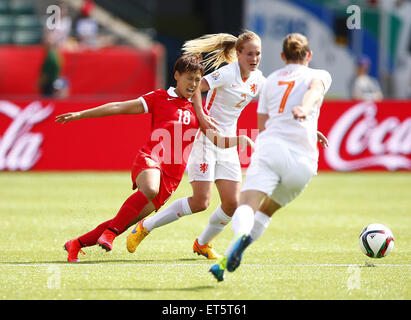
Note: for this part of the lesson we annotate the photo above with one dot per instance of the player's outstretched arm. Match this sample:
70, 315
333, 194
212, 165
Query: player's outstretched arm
205, 122
225, 142
313, 95
108, 109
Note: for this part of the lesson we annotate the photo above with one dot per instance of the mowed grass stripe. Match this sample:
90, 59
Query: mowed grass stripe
309, 251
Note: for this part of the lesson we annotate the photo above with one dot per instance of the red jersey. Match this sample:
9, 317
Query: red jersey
173, 127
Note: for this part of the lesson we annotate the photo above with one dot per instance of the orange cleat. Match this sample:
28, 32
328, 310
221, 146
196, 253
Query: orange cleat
73, 247
205, 250
136, 236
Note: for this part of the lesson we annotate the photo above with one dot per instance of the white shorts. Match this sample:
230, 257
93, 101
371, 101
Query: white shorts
210, 163
278, 172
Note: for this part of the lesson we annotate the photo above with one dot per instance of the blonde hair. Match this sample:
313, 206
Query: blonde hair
219, 47
295, 47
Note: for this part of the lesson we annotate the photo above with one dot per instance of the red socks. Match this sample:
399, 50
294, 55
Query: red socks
128, 211
90, 238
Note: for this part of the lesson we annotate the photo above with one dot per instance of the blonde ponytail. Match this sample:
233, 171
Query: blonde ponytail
219, 47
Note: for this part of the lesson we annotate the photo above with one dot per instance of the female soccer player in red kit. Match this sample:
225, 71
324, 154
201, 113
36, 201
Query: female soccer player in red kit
160, 164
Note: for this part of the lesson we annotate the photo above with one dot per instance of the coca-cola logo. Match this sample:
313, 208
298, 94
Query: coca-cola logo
20, 148
366, 142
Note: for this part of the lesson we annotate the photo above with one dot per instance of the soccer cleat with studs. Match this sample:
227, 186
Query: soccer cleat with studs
217, 270
136, 236
236, 254
106, 240
205, 250
73, 247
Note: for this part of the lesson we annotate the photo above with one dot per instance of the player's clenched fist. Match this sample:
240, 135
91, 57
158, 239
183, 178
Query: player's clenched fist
299, 113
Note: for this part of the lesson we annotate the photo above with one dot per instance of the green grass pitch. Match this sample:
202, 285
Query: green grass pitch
310, 250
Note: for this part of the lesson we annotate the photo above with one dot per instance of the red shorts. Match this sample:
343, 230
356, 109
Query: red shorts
167, 184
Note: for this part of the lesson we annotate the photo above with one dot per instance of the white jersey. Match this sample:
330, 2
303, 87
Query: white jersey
283, 90
229, 95
226, 99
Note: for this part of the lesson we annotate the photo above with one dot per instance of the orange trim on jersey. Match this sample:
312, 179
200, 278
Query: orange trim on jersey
198, 134
211, 100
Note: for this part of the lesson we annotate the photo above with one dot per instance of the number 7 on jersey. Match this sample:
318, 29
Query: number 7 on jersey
290, 85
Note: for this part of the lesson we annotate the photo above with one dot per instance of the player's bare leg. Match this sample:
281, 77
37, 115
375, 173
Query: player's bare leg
200, 200
269, 207
148, 182
229, 192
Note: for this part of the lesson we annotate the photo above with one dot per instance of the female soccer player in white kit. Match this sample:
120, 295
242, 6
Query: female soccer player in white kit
230, 89
286, 156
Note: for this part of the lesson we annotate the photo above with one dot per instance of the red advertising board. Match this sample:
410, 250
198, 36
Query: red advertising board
30, 138
362, 136
366, 135
116, 70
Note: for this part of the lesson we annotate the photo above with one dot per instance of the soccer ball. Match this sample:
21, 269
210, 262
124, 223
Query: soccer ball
376, 240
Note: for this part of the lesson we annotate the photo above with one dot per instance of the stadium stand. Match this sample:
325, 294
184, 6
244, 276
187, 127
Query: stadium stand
19, 23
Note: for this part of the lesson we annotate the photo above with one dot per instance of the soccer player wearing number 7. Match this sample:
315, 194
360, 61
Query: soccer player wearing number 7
286, 156
230, 89
160, 164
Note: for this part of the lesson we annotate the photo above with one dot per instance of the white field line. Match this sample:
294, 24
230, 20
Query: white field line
94, 264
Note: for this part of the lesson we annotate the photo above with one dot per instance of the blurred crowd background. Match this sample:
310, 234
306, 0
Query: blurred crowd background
369, 62
59, 56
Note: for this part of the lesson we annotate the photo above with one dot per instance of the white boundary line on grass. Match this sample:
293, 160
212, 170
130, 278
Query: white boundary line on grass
84, 263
